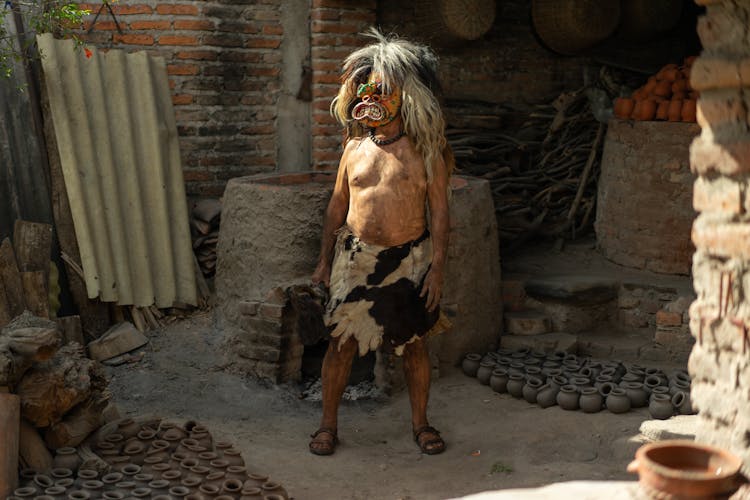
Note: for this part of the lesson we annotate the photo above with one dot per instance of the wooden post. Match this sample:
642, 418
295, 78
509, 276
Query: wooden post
33, 244
35, 292
10, 422
11, 279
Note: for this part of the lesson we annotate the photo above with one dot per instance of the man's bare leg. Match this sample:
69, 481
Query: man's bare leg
417, 370
337, 365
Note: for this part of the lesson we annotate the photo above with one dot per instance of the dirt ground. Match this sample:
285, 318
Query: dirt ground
494, 441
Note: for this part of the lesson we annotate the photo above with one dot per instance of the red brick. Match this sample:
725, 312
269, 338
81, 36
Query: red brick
182, 99
263, 43
177, 9
666, 318
120, 9
177, 40
149, 25
198, 55
133, 39
335, 27
254, 71
273, 29
101, 26
194, 25
258, 130
197, 175
182, 69
325, 15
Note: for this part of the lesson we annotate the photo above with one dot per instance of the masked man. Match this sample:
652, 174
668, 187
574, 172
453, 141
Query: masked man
383, 267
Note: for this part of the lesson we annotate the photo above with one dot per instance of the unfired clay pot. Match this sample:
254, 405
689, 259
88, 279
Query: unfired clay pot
590, 400
617, 401
470, 364
499, 380
567, 398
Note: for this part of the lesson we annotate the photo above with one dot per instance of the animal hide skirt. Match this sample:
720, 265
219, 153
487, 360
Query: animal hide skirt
374, 294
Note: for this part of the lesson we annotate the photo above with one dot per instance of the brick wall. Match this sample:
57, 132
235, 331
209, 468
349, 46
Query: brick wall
643, 213
224, 70
720, 317
333, 35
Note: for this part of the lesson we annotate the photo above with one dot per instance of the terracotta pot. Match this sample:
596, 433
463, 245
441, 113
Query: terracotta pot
650, 382
685, 469
142, 480
191, 483
216, 478
158, 469
199, 472
567, 398
674, 114
135, 450
234, 457
60, 473
55, 492
128, 428
209, 490
173, 476
662, 111
236, 472
202, 438
142, 492
93, 488
78, 495
179, 492
231, 487
255, 480
251, 493
43, 481
67, 482
219, 464
206, 457
159, 486
678, 386
273, 488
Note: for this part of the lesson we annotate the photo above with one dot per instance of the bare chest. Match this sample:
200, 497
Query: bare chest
378, 167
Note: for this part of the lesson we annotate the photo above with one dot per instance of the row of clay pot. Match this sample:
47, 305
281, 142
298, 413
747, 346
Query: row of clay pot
580, 383
166, 462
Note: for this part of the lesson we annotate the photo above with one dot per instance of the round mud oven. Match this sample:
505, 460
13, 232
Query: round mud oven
644, 212
270, 239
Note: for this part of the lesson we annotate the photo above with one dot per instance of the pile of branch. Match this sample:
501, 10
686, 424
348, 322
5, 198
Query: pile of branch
63, 393
543, 174
204, 223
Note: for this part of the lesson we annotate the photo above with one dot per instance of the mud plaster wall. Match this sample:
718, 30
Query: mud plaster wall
644, 213
270, 239
720, 317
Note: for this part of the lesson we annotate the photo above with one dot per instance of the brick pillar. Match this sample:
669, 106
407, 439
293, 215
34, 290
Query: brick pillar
335, 29
720, 317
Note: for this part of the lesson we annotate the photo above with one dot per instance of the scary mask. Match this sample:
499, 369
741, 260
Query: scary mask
376, 109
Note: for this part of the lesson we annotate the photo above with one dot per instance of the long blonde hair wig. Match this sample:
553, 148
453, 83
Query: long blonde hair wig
412, 68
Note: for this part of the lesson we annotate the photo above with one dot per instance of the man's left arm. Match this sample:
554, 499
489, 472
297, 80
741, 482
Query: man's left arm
437, 197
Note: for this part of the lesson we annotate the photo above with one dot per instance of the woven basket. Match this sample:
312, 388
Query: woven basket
570, 26
455, 21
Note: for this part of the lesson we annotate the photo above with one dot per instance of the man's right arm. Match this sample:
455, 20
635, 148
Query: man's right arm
335, 216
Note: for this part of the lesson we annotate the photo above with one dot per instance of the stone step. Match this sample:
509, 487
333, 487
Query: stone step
526, 323
547, 342
575, 288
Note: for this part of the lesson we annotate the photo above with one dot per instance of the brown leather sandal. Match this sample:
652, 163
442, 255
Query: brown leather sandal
431, 446
323, 447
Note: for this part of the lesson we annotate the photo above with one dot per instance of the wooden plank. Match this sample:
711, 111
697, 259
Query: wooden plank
94, 314
32, 242
5, 315
35, 292
71, 329
11, 279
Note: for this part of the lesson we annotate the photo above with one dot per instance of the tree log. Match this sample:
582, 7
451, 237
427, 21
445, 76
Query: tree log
51, 389
79, 423
32, 451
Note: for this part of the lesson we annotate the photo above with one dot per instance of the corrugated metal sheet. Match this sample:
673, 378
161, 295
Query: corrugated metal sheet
23, 190
117, 139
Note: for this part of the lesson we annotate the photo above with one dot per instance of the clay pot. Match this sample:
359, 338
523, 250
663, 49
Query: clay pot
658, 390
113, 495
499, 380
78, 495
483, 373
533, 371
125, 487
216, 478
219, 464
531, 388
233, 456
118, 462
179, 491
130, 470
628, 378
176, 459
67, 458
159, 486
515, 385
579, 382
200, 472
43, 481
271, 488
208, 490
601, 379
650, 382
529, 362
202, 438
26, 477
688, 110
142, 492
662, 111
567, 398
112, 478
623, 107
470, 364
255, 480
93, 488
231, 487
661, 407
617, 401
173, 476
55, 492
678, 386
206, 457
557, 381
547, 395
67, 482
637, 394
590, 400
682, 375
682, 403
25, 492
516, 367
185, 447
220, 446
128, 428
157, 470
504, 362
251, 493
191, 483
115, 438
141, 480
135, 450
86, 475
674, 113
60, 473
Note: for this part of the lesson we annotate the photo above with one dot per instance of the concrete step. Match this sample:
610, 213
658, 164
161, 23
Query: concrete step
546, 342
575, 288
526, 323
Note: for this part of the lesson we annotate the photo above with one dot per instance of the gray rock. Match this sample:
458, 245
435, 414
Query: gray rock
575, 288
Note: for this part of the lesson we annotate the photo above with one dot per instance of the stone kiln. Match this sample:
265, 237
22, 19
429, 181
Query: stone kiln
644, 211
269, 241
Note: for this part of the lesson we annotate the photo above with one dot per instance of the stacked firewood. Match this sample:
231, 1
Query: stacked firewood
63, 393
204, 222
542, 173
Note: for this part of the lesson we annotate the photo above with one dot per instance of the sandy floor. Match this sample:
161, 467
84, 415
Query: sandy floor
494, 441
